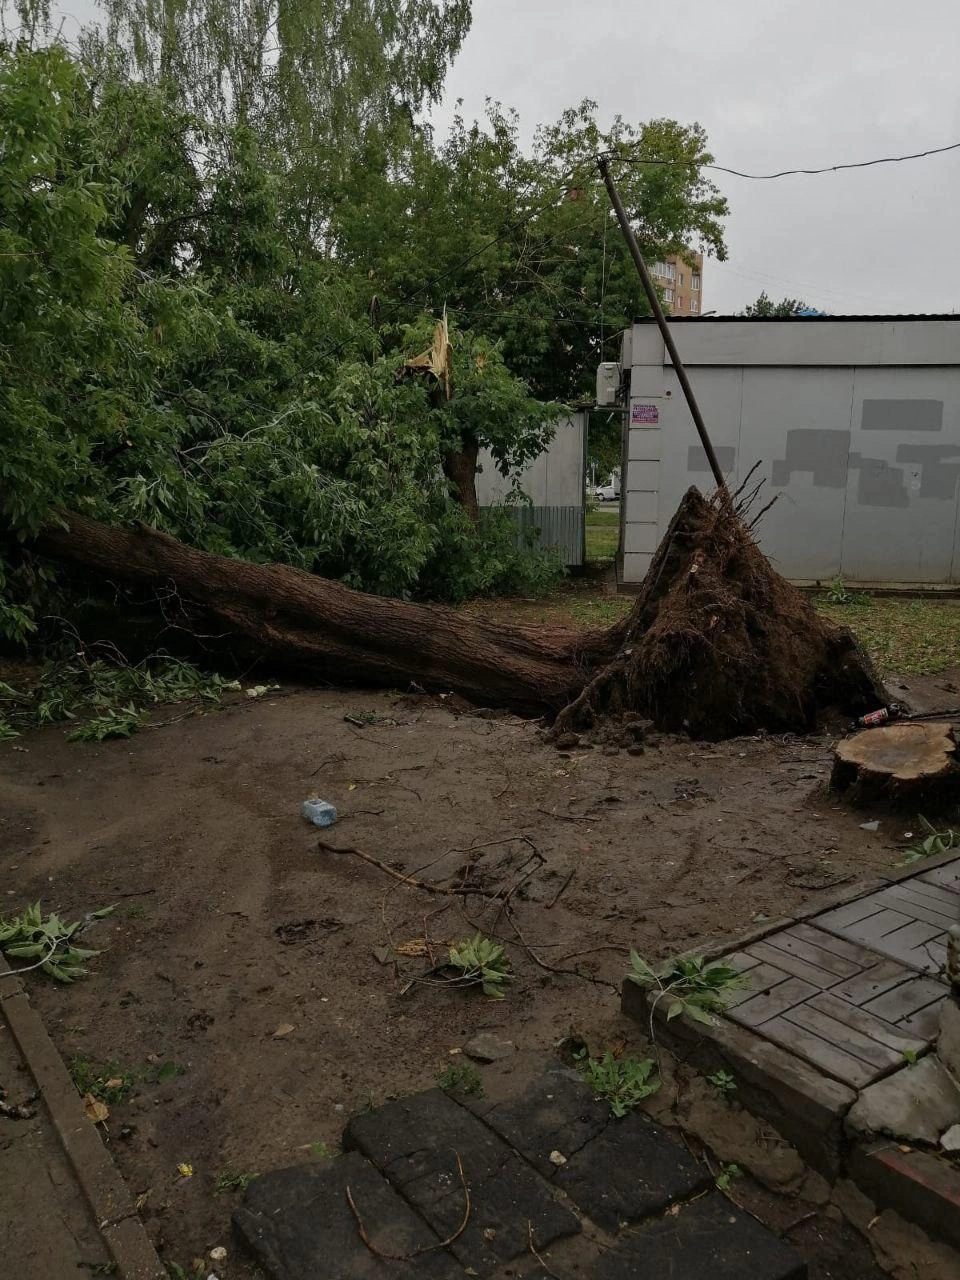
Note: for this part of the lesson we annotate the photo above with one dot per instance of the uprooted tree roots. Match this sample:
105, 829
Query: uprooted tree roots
718, 644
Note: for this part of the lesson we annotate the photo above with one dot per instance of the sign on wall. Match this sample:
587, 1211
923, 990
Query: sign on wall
644, 414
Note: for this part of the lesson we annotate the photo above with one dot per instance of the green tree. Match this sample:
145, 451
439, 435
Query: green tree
765, 306
546, 270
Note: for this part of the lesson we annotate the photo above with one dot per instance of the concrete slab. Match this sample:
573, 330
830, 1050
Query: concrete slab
298, 1224
916, 1104
616, 1171
706, 1238
416, 1142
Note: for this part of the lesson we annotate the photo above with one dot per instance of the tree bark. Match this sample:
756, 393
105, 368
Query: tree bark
328, 630
461, 469
904, 764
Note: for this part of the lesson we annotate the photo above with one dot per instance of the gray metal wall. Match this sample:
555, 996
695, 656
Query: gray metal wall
856, 425
554, 483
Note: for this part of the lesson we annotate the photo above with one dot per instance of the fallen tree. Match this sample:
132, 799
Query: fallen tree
717, 643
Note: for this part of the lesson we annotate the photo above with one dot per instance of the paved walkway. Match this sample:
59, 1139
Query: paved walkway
826, 1033
533, 1179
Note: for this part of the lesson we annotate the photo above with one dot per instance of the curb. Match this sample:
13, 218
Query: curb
103, 1188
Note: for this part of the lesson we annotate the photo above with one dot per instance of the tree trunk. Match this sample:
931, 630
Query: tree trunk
340, 635
716, 645
461, 469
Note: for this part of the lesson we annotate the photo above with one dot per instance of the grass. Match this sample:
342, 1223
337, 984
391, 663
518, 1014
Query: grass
603, 533
910, 637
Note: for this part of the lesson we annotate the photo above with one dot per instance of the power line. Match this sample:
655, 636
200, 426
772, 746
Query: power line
782, 173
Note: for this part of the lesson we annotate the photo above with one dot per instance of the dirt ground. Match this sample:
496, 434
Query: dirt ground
252, 984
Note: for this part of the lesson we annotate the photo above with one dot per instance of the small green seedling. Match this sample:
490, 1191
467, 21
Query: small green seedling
482, 961
729, 1173
322, 1151
232, 1180
839, 593
462, 1077
688, 984
910, 1057
723, 1082
623, 1082
933, 843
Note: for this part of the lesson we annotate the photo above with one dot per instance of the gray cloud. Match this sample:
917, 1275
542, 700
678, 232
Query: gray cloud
777, 84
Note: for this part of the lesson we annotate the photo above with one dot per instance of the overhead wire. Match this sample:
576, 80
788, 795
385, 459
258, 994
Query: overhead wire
781, 173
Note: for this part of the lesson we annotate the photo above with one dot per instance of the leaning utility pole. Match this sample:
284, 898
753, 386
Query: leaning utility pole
661, 319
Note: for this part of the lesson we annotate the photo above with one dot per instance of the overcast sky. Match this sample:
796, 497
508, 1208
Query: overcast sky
776, 84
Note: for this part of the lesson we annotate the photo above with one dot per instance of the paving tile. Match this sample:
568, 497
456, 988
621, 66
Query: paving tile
805, 943
825, 1054
708, 1238
630, 1171
861, 1020
759, 979
906, 921
906, 999
842, 1032
415, 1142
783, 951
882, 976
538, 1106
298, 1225
761, 1008
614, 1170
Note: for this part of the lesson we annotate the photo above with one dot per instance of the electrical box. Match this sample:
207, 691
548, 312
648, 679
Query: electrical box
608, 383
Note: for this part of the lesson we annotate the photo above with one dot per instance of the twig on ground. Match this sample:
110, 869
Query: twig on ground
446, 890
804, 1217
533, 1250
428, 1248
563, 888
542, 964
564, 817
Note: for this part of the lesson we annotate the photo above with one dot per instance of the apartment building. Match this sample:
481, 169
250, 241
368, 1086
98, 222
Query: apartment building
681, 283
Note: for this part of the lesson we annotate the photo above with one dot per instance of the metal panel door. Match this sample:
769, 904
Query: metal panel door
903, 476
796, 423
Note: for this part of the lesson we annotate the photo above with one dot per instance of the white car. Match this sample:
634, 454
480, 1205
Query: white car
607, 493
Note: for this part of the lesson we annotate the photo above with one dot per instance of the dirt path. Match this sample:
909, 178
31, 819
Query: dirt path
231, 924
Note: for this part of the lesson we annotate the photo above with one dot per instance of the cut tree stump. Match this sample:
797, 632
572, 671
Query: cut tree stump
901, 763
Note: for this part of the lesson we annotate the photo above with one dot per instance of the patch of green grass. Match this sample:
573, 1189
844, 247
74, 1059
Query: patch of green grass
107, 1083
232, 1180
912, 637
623, 1082
323, 1151
602, 533
462, 1077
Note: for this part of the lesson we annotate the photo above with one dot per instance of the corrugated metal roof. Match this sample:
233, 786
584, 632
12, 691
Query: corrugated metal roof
818, 319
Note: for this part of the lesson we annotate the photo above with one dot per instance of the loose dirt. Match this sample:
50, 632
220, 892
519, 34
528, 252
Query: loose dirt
259, 990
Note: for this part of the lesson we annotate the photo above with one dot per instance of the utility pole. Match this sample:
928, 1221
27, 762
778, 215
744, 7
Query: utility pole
651, 292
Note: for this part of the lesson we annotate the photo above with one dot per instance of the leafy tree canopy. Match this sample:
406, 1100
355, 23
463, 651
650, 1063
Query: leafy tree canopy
207, 302
765, 306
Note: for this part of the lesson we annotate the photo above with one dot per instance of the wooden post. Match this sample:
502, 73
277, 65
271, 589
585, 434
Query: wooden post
661, 319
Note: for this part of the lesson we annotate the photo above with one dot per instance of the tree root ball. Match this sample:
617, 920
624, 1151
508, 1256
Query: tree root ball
719, 644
